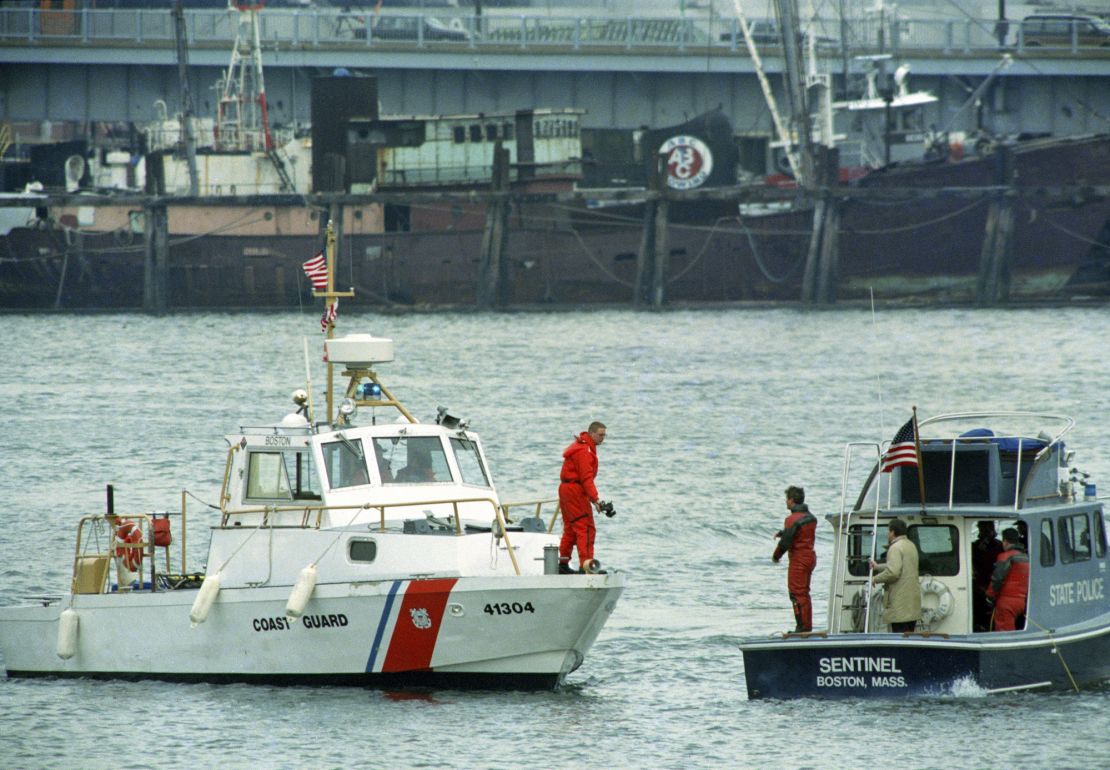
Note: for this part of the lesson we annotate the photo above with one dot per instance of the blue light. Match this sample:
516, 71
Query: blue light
371, 391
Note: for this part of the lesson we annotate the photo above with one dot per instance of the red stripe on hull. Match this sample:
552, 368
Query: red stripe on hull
412, 646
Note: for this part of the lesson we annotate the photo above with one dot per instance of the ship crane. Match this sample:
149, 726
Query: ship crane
242, 122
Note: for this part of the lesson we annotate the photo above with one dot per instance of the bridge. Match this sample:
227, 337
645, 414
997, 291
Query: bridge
90, 65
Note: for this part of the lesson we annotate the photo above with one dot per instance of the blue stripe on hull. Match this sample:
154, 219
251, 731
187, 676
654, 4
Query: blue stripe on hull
382, 624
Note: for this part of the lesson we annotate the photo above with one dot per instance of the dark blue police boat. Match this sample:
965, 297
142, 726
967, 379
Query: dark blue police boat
1011, 469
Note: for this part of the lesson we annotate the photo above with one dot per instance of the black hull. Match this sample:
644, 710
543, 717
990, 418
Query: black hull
925, 246
892, 666
411, 680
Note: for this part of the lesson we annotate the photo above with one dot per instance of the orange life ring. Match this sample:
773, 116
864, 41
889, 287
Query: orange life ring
131, 556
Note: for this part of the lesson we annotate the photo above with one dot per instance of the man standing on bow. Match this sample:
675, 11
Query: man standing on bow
578, 497
796, 538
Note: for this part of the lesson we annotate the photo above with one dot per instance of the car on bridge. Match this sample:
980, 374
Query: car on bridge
1061, 30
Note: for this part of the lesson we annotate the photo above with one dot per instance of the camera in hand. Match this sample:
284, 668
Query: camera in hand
606, 507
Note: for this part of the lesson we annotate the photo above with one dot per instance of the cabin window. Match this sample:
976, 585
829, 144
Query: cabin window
476, 132
938, 548
1075, 538
972, 482
470, 462
507, 131
411, 460
1048, 547
491, 132
266, 477
859, 549
359, 549
459, 134
1100, 535
345, 463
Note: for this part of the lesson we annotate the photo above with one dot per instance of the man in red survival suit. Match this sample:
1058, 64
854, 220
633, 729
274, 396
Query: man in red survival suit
796, 538
1009, 586
578, 497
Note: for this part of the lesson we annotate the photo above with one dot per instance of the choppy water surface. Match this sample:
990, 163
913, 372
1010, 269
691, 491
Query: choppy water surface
711, 415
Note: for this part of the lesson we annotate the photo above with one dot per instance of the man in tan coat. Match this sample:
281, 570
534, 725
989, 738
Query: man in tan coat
899, 575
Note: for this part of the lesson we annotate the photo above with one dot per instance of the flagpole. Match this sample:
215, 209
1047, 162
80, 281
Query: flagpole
917, 452
330, 296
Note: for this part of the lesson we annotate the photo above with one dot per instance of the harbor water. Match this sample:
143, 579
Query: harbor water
710, 415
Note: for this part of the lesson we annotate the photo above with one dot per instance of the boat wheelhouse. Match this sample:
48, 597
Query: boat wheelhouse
1013, 470
376, 553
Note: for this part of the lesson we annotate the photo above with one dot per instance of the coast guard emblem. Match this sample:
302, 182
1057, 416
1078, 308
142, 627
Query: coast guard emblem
420, 618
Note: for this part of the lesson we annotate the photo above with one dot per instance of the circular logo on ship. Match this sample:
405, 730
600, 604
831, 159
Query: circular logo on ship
689, 162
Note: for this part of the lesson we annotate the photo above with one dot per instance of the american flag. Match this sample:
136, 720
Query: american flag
902, 450
331, 314
317, 271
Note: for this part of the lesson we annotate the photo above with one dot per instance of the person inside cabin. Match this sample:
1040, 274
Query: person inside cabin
419, 468
902, 594
578, 497
984, 553
796, 538
1009, 588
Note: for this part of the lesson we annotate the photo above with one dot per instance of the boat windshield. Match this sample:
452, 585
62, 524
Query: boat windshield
345, 463
470, 462
411, 460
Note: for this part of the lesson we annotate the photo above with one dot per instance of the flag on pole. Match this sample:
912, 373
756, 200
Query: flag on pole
330, 316
902, 450
317, 271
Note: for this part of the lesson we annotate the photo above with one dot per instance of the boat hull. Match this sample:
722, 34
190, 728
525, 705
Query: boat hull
512, 633
891, 666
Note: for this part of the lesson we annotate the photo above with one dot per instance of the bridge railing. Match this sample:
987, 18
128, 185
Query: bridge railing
330, 28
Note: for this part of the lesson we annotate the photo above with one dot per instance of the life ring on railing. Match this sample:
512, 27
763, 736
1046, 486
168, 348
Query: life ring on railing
931, 615
129, 533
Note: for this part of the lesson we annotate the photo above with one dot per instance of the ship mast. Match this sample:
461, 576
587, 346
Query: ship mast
242, 122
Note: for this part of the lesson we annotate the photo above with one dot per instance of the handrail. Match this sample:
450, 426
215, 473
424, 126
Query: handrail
840, 560
111, 520
692, 35
380, 507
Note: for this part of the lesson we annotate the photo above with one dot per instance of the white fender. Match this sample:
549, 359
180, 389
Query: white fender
302, 592
203, 603
67, 633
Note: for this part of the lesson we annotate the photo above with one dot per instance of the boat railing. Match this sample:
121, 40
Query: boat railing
100, 544
693, 34
868, 449
312, 516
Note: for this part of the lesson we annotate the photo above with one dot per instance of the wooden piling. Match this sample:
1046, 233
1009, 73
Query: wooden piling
493, 278
996, 257
156, 249
822, 264
653, 257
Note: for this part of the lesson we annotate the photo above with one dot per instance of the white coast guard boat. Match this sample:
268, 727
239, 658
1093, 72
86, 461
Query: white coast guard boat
1012, 469
375, 554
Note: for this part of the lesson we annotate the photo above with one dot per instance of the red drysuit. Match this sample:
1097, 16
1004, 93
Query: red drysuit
1009, 588
797, 537
576, 493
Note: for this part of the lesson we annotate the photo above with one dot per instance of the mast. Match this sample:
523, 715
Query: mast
786, 11
242, 121
187, 136
331, 297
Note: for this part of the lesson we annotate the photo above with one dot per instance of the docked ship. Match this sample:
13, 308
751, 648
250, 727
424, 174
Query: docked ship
923, 222
1011, 470
347, 550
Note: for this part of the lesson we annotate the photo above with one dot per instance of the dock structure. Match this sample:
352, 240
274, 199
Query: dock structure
602, 72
